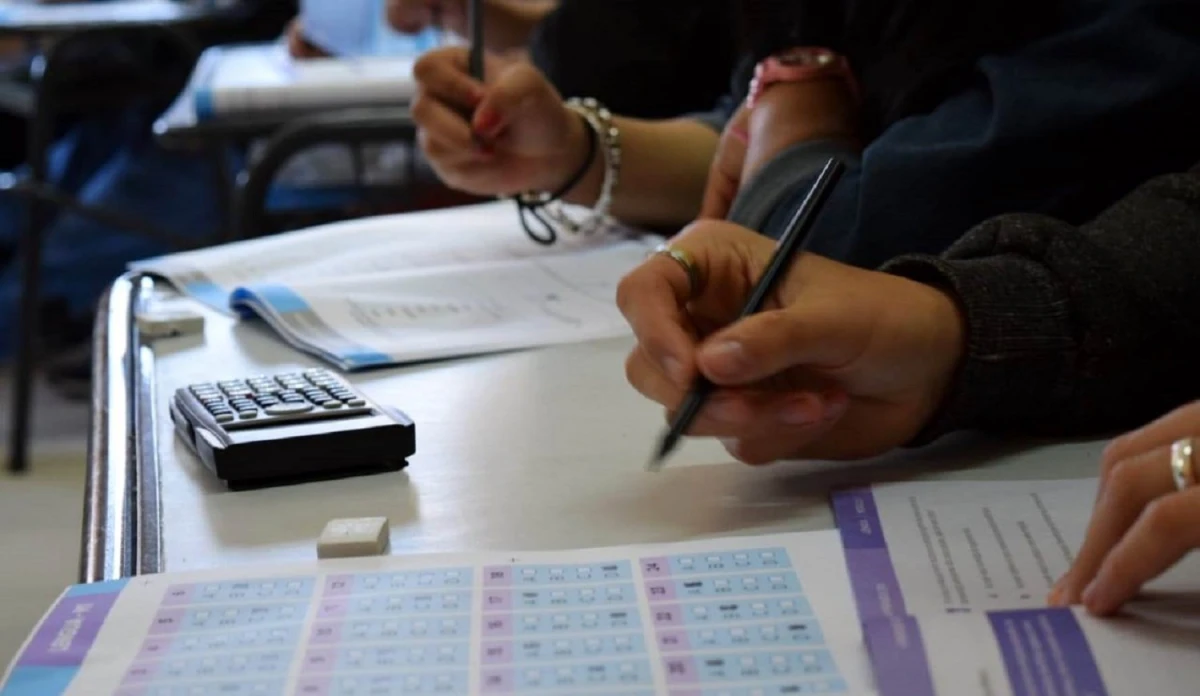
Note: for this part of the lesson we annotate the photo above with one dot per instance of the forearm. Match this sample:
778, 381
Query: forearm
1075, 330
510, 23
664, 167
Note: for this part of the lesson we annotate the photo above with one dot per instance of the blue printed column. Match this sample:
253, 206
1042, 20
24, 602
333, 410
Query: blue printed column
736, 624
55, 654
562, 630
383, 633
236, 638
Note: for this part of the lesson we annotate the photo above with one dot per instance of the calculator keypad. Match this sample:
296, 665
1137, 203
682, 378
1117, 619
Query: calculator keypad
303, 395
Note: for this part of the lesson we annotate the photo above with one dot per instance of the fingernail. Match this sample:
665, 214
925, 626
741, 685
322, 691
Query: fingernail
804, 410
487, 122
731, 355
674, 369
731, 445
1055, 597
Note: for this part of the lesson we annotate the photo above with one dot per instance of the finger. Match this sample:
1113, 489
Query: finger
441, 123
444, 75
810, 334
648, 377
759, 451
653, 298
756, 415
1180, 423
724, 176
516, 89
450, 156
719, 192
1164, 533
409, 16
1131, 486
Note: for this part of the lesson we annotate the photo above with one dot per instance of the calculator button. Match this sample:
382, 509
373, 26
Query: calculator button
247, 415
287, 409
331, 404
355, 403
223, 417
267, 401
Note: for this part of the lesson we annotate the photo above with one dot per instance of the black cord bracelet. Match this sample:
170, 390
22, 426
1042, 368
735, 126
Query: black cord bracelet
532, 203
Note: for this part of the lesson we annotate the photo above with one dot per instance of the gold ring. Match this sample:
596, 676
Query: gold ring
684, 259
1182, 463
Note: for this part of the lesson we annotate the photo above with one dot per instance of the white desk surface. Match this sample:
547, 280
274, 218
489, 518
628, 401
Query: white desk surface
539, 449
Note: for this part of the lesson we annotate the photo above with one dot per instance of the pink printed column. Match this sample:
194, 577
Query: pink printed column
496, 652
667, 615
321, 653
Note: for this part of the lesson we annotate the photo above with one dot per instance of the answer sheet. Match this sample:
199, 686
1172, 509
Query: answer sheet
763, 616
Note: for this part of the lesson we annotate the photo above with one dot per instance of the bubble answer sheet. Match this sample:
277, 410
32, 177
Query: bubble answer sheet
761, 616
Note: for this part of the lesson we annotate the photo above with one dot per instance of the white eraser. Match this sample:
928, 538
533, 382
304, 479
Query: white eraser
349, 537
165, 323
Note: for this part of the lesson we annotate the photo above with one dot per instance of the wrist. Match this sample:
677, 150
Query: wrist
947, 346
576, 153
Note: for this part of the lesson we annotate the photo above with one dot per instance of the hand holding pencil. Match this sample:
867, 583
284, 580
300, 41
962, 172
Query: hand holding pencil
838, 363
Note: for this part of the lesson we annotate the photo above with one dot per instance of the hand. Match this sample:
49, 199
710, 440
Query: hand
842, 363
786, 114
300, 47
518, 135
1141, 524
414, 16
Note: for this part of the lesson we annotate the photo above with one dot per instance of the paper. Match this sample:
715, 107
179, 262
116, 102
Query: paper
1032, 652
232, 80
937, 547
405, 288
763, 616
950, 580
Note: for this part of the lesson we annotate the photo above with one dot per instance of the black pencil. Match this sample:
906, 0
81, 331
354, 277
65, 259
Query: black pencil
781, 260
475, 31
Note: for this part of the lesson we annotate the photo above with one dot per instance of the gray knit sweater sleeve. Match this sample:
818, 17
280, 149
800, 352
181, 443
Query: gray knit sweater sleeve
1075, 330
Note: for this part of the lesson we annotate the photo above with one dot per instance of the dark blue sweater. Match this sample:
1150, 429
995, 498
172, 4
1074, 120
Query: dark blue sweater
1063, 126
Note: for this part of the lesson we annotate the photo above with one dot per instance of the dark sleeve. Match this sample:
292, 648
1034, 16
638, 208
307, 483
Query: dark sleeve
1062, 127
1075, 330
641, 58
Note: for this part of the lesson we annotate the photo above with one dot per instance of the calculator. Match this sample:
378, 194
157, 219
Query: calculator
291, 427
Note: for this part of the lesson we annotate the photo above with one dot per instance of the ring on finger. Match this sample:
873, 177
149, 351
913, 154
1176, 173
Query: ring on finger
1183, 468
685, 261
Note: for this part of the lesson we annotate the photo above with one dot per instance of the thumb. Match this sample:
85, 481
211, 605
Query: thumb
517, 91
771, 342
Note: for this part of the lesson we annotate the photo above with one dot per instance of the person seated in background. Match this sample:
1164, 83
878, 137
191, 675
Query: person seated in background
947, 113
110, 158
1027, 325
641, 58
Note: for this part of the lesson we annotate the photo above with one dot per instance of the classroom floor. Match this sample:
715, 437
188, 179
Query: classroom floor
40, 514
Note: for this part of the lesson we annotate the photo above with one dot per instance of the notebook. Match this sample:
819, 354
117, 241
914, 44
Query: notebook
405, 288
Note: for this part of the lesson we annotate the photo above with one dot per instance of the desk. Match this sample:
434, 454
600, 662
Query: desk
538, 449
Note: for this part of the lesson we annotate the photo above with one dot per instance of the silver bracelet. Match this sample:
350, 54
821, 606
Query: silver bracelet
608, 137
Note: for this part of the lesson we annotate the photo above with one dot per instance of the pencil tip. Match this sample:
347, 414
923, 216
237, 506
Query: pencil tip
664, 448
